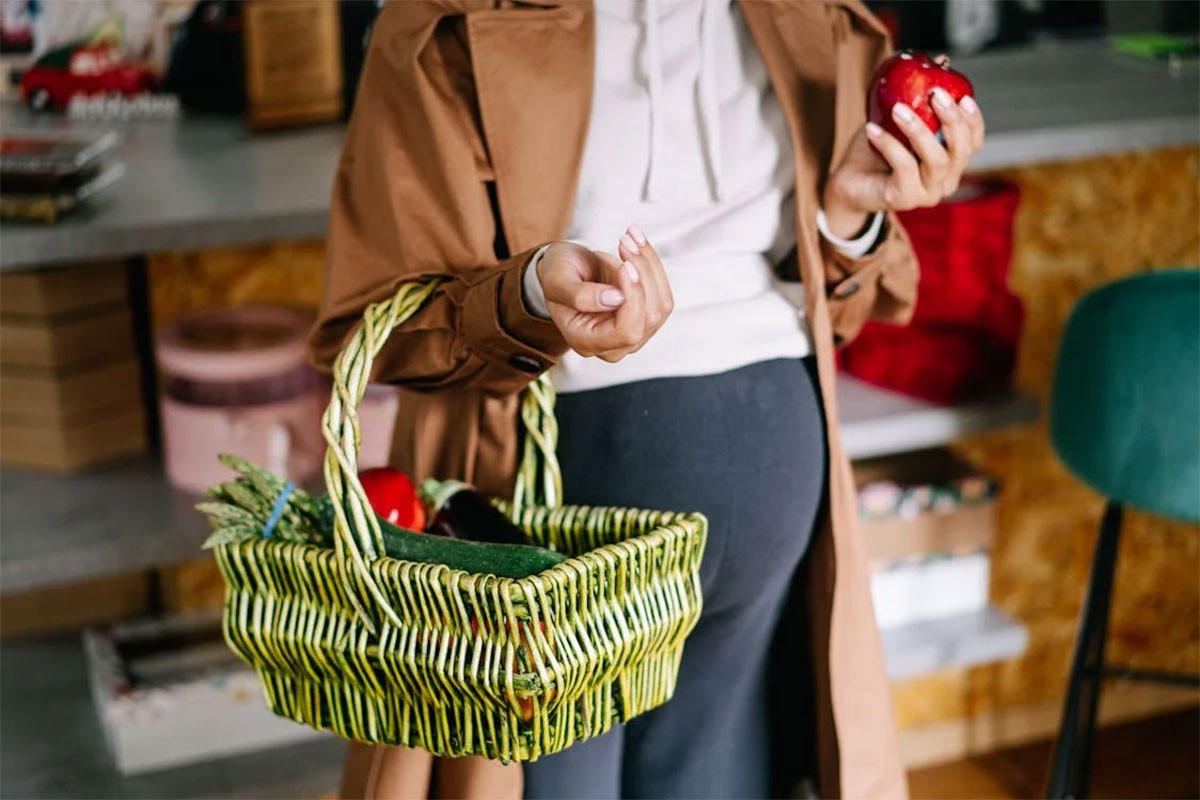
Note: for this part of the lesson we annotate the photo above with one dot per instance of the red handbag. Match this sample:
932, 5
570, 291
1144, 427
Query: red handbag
962, 341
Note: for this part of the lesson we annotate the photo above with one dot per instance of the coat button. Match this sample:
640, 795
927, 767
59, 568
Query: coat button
525, 363
846, 289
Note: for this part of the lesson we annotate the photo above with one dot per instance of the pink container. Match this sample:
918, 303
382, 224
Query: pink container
237, 380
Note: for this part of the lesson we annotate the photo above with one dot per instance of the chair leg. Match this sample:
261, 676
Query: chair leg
1070, 766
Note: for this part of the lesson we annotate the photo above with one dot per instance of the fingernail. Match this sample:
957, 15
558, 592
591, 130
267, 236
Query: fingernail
873, 130
637, 234
942, 99
969, 105
902, 112
629, 244
611, 298
632, 270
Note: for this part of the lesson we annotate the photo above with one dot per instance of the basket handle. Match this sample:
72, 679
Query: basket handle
357, 537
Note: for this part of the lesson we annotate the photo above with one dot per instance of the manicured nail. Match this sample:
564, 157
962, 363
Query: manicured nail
611, 298
874, 131
942, 99
637, 234
629, 244
632, 270
969, 105
902, 112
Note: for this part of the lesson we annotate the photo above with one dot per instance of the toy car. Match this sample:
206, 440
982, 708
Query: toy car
90, 70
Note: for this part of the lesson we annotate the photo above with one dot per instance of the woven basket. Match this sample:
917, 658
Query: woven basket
386, 651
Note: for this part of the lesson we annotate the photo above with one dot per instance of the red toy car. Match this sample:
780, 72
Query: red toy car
88, 70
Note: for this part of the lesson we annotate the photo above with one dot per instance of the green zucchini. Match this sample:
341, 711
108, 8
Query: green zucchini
503, 560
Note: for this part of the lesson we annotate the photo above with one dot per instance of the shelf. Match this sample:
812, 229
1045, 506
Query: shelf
877, 422
119, 519
966, 640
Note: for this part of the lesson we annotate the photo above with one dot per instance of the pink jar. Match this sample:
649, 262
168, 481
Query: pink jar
237, 380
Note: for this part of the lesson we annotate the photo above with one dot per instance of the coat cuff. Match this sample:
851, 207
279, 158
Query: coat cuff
849, 271
498, 327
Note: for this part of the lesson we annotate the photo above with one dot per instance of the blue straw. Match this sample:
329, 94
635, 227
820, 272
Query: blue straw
277, 511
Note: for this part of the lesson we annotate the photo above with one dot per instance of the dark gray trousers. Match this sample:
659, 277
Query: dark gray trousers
746, 448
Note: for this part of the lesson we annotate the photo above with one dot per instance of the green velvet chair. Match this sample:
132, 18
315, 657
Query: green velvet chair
1125, 419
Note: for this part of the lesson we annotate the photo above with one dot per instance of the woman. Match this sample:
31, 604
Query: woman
509, 147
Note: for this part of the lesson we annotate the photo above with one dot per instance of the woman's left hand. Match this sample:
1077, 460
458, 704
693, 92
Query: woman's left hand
879, 173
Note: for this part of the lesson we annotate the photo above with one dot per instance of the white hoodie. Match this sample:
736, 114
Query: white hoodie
687, 141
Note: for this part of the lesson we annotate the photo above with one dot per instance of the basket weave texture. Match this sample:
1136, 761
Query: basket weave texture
386, 651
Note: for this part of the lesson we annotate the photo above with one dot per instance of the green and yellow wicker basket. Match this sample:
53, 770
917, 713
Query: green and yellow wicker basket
387, 651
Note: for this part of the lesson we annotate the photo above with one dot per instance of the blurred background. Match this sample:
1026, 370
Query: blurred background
166, 167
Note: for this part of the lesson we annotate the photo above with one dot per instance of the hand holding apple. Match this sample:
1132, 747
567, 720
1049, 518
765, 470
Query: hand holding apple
910, 77
896, 162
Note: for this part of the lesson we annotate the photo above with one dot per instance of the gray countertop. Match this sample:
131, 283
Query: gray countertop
1066, 101
196, 183
188, 184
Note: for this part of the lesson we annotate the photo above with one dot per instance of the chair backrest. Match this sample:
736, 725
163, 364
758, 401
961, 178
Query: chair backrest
1125, 409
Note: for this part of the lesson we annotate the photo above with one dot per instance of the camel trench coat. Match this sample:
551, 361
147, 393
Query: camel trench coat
462, 158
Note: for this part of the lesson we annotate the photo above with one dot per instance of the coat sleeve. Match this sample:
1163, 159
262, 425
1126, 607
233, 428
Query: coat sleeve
882, 285
412, 200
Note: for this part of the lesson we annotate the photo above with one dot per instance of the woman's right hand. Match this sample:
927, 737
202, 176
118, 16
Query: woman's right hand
605, 306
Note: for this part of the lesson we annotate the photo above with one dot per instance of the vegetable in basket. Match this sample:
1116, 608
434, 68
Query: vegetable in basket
394, 497
462, 513
260, 505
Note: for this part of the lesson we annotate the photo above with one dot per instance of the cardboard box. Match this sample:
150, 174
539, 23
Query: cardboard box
961, 531
102, 333
72, 444
962, 528
170, 692
54, 396
48, 293
75, 605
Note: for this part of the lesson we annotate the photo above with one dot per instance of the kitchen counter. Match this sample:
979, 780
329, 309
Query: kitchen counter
1068, 101
189, 184
197, 183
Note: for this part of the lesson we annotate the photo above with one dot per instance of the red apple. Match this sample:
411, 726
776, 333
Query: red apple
910, 77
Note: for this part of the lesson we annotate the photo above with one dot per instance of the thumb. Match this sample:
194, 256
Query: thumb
572, 289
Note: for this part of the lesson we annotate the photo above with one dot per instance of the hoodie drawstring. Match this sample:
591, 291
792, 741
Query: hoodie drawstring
654, 79
710, 107
706, 92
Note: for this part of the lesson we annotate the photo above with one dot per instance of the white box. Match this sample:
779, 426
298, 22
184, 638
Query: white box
170, 692
910, 591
